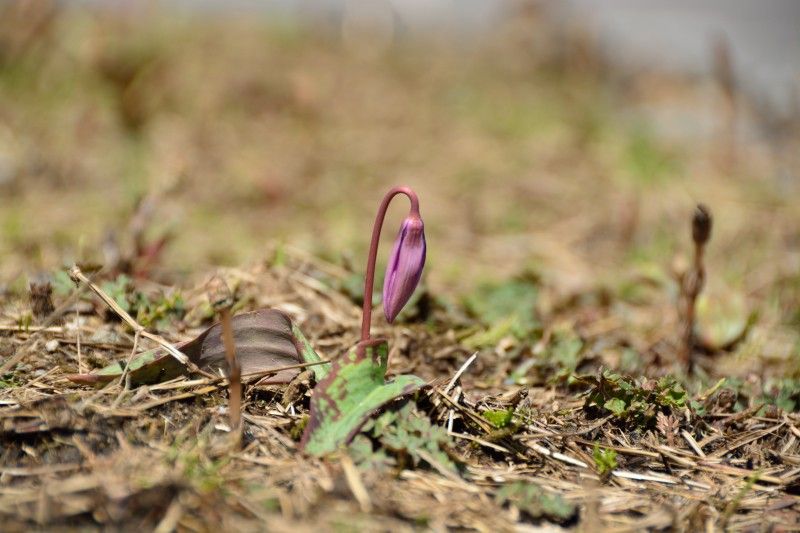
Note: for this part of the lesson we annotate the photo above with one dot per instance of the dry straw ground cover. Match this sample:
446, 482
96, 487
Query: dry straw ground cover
549, 328
158, 455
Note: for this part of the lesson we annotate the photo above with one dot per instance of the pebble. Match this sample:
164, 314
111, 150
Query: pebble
106, 336
51, 345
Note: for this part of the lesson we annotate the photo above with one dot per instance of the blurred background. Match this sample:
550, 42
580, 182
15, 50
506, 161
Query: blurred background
559, 149
570, 139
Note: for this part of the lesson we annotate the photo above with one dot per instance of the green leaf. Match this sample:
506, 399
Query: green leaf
138, 363
605, 459
536, 502
406, 433
499, 418
493, 335
616, 406
505, 308
365, 457
62, 283
309, 355
566, 350
634, 401
118, 290
784, 393
722, 316
698, 407
352, 391
152, 366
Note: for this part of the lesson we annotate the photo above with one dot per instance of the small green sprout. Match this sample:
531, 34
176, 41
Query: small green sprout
605, 460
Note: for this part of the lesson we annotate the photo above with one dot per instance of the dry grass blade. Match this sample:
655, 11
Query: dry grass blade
356, 484
79, 277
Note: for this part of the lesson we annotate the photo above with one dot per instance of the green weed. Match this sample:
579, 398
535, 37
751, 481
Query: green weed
536, 502
634, 401
604, 459
406, 435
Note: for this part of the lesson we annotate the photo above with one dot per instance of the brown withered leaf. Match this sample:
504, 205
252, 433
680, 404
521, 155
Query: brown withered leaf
264, 339
668, 425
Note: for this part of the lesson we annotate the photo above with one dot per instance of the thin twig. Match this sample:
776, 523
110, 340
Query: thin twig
171, 518
125, 378
262, 373
460, 372
221, 299
736, 501
557, 455
456, 376
78, 338
693, 443
31, 329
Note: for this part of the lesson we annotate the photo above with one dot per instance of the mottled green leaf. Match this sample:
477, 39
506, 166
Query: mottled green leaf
783, 392
352, 391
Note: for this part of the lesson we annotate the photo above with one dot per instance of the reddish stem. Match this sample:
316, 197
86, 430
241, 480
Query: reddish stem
234, 373
369, 278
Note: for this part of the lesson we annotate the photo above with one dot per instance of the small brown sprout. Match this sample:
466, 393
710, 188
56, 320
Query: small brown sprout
219, 294
692, 283
41, 297
701, 224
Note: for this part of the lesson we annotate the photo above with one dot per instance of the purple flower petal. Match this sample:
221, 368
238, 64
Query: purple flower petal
405, 266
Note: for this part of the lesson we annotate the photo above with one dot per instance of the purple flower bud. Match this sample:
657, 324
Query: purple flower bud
405, 266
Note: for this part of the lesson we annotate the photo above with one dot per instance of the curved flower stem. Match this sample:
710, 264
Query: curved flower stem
369, 278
